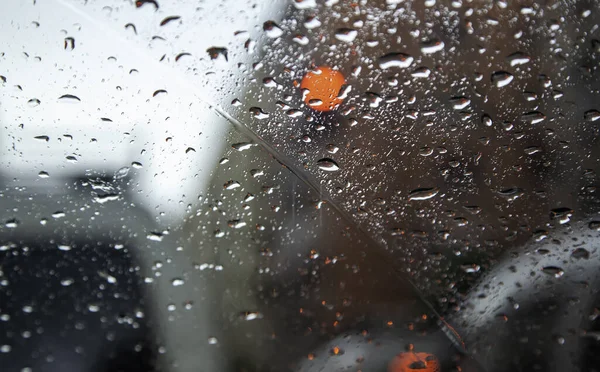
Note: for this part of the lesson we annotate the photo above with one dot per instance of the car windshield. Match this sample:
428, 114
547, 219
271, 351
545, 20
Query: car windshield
299, 185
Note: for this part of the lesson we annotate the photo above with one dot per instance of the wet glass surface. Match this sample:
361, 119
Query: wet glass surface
299, 185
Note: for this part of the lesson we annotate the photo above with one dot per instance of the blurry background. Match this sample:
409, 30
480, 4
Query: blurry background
166, 207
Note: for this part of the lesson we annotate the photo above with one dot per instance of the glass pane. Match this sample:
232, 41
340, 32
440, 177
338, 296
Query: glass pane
299, 185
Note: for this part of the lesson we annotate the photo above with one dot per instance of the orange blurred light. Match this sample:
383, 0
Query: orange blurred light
321, 88
410, 361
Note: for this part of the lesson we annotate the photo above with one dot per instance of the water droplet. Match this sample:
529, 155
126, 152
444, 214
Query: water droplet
42, 138
331, 148
300, 39
140, 3
421, 72
43, 174
121, 173
580, 253
294, 113
432, 46
594, 225
518, 58
533, 117
184, 54
12, 223
532, 150
258, 113
169, 19
328, 165
251, 315
213, 341
242, 146
471, 268
400, 60
540, 235
64, 247
230, 185
312, 22
131, 26
486, 120
272, 29
556, 272
101, 199
93, 308
459, 103
373, 98
512, 193
591, 115
501, 78
423, 193
155, 236
5, 348
236, 224
69, 43
425, 151
215, 52
58, 214
109, 278
69, 98
563, 215
177, 282
335, 351
34, 102
346, 34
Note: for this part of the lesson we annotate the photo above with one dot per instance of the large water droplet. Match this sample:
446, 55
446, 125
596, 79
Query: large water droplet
518, 58
169, 19
69, 43
272, 29
155, 236
502, 78
400, 60
555, 271
591, 115
177, 282
121, 173
328, 165
563, 215
69, 98
346, 34
486, 120
242, 146
258, 113
236, 224
215, 52
33, 102
12, 223
423, 193
459, 103
421, 72
251, 315
432, 46
533, 117
512, 193
580, 253
230, 185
